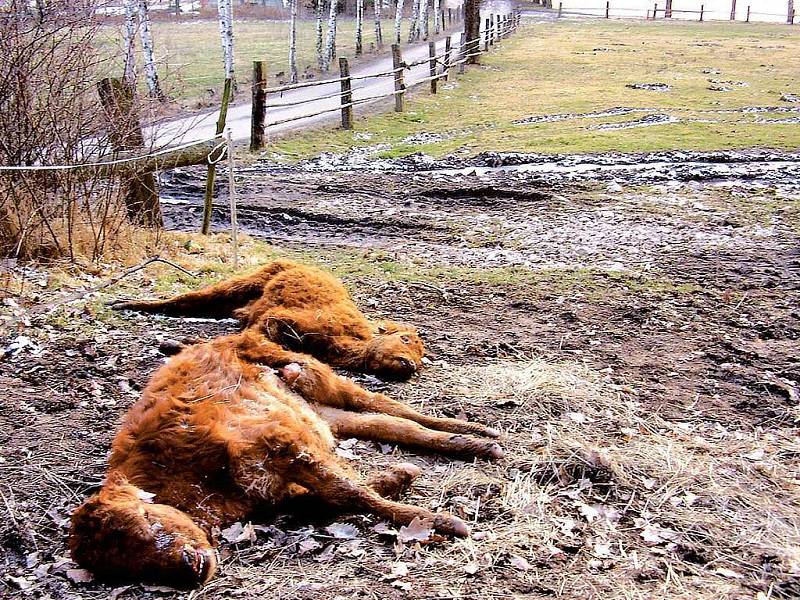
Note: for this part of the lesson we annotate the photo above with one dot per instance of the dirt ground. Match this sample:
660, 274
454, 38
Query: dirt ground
630, 323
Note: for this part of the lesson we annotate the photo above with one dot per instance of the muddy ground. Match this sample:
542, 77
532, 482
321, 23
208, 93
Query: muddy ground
658, 293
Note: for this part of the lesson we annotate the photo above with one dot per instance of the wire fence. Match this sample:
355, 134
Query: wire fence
215, 148
658, 10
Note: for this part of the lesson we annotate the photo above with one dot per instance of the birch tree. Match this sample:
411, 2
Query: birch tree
378, 33
225, 11
153, 86
437, 12
293, 43
129, 40
398, 20
320, 10
423, 19
413, 26
359, 27
330, 40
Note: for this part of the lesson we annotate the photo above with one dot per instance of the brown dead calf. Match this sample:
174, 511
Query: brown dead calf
237, 424
303, 309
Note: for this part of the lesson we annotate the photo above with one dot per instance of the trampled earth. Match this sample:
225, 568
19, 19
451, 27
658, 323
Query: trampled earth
630, 323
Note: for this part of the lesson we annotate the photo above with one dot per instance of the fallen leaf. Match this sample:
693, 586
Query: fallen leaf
342, 531
348, 454
117, 592
384, 528
160, 589
308, 545
519, 563
757, 454
79, 575
21, 583
655, 534
403, 585
728, 573
419, 530
399, 569
577, 417
471, 568
590, 513
237, 533
602, 549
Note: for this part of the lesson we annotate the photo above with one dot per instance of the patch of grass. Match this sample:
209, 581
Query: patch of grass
557, 68
209, 258
190, 52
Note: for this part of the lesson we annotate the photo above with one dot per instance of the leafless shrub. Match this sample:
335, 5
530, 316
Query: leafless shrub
50, 115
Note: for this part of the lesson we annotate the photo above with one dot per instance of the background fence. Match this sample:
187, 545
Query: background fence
734, 10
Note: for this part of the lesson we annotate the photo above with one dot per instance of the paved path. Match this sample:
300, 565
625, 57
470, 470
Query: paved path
203, 127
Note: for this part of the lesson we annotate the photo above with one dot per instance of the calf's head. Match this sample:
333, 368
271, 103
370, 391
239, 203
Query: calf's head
396, 351
120, 534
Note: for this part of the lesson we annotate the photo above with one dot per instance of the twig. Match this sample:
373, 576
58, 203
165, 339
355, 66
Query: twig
108, 283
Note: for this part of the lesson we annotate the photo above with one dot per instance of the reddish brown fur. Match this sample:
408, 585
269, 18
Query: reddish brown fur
304, 309
217, 433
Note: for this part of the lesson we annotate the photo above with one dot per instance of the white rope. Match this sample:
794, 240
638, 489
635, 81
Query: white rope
106, 163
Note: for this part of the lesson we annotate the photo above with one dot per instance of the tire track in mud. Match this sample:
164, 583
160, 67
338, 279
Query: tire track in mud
609, 211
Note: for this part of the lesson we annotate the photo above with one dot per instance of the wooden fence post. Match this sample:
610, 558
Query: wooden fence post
446, 64
702, 10
125, 133
608, 9
560, 10
748, 14
259, 114
486, 36
347, 94
463, 51
432, 63
399, 86
790, 12
733, 10
655, 11
492, 31
212, 168
668, 10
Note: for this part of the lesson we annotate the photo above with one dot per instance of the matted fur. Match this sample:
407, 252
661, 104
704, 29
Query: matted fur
240, 423
304, 309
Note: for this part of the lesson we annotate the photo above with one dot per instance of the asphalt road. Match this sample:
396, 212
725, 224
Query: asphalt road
203, 127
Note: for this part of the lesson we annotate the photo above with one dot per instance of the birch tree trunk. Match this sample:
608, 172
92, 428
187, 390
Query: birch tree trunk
320, 9
151, 72
437, 12
413, 26
129, 39
225, 10
359, 27
293, 43
378, 33
423, 19
398, 20
330, 40
472, 28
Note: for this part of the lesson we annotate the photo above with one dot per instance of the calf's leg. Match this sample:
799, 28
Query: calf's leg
333, 486
317, 383
386, 428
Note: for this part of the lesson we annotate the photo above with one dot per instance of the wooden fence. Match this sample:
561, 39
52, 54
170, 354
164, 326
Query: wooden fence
665, 11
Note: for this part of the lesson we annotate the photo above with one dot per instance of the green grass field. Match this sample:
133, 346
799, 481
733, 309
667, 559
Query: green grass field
581, 67
190, 53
